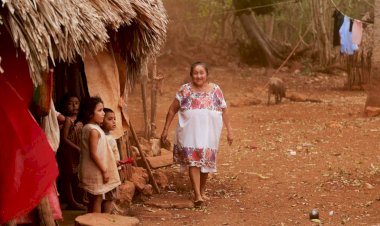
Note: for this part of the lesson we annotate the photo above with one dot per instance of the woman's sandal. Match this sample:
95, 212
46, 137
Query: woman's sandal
198, 203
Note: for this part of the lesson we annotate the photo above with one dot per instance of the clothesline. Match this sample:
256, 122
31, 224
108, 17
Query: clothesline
336, 7
238, 10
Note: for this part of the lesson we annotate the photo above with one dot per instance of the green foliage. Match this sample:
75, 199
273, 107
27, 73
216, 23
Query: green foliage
256, 6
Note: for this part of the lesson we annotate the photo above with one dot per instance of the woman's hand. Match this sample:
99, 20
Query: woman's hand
164, 135
230, 138
106, 176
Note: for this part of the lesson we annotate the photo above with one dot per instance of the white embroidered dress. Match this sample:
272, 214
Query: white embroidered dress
199, 127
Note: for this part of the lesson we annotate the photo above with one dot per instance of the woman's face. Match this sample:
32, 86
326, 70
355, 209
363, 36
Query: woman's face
98, 114
199, 75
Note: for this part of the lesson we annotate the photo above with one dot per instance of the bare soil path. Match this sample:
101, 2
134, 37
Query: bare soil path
286, 159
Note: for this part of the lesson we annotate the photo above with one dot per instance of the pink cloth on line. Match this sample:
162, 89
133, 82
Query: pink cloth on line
357, 32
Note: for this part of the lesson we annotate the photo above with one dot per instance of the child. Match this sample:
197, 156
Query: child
109, 124
69, 151
97, 169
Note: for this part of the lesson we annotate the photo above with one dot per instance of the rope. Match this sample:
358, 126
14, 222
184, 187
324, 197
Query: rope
238, 10
336, 7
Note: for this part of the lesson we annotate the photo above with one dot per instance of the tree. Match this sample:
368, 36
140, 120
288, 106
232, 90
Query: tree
373, 98
274, 53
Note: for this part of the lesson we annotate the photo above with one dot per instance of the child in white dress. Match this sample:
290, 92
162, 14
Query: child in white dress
98, 172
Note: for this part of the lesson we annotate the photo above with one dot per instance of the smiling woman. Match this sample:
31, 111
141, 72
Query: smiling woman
202, 111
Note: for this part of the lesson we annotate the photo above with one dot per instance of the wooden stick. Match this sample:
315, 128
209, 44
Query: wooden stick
156, 188
294, 49
153, 100
144, 101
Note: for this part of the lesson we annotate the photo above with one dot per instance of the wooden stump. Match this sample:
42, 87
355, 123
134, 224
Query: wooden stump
105, 219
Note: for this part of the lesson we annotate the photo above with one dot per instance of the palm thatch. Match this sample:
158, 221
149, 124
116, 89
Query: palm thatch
56, 29
114, 13
144, 37
63, 29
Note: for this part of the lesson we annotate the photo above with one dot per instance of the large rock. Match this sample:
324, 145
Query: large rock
156, 146
126, 193
372, 111
147, 191
139, 177
104, 219
160, 161
161, 179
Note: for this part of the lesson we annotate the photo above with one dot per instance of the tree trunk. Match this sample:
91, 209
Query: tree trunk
253, 31
319, 9
373, 98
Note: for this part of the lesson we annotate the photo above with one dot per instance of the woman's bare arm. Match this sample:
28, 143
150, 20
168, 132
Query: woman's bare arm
173, 109
226, 122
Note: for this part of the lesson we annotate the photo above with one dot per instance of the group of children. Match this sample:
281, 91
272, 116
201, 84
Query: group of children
88, 157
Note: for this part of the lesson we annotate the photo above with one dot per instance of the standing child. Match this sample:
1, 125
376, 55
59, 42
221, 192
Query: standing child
109, 124
69, 151
97, 169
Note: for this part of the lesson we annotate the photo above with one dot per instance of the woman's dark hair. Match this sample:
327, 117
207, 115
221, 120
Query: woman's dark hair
204, 65
87, 110
65, 99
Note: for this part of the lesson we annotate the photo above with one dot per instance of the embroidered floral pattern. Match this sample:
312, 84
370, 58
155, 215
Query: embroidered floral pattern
199, 157
189, 100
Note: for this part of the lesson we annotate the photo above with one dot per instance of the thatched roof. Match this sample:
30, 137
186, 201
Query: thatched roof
63, 29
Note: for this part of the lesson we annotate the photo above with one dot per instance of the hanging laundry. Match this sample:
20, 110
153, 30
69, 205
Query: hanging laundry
346, 38
357, 32
351, 23
338, 21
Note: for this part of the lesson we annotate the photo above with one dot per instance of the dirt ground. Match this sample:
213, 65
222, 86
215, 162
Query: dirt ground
286, 159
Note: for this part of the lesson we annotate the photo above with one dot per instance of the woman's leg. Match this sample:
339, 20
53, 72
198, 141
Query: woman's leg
195, 177
94, 203
203, 186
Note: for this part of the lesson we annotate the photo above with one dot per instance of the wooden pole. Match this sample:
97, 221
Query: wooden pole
156, 188
144, 101
153, 100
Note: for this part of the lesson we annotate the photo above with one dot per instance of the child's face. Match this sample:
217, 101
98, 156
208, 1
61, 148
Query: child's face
98, 114
72, 106
109, 122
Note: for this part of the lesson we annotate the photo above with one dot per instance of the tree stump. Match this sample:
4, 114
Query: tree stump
105, 219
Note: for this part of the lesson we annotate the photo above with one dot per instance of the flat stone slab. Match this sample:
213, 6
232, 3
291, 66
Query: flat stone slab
105, 219
160, 161
172, 202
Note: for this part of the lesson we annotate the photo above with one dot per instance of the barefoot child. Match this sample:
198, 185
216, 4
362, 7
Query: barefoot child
97, 169
109, 124
68, 153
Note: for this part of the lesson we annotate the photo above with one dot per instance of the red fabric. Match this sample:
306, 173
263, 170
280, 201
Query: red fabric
15, 66
28, 167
